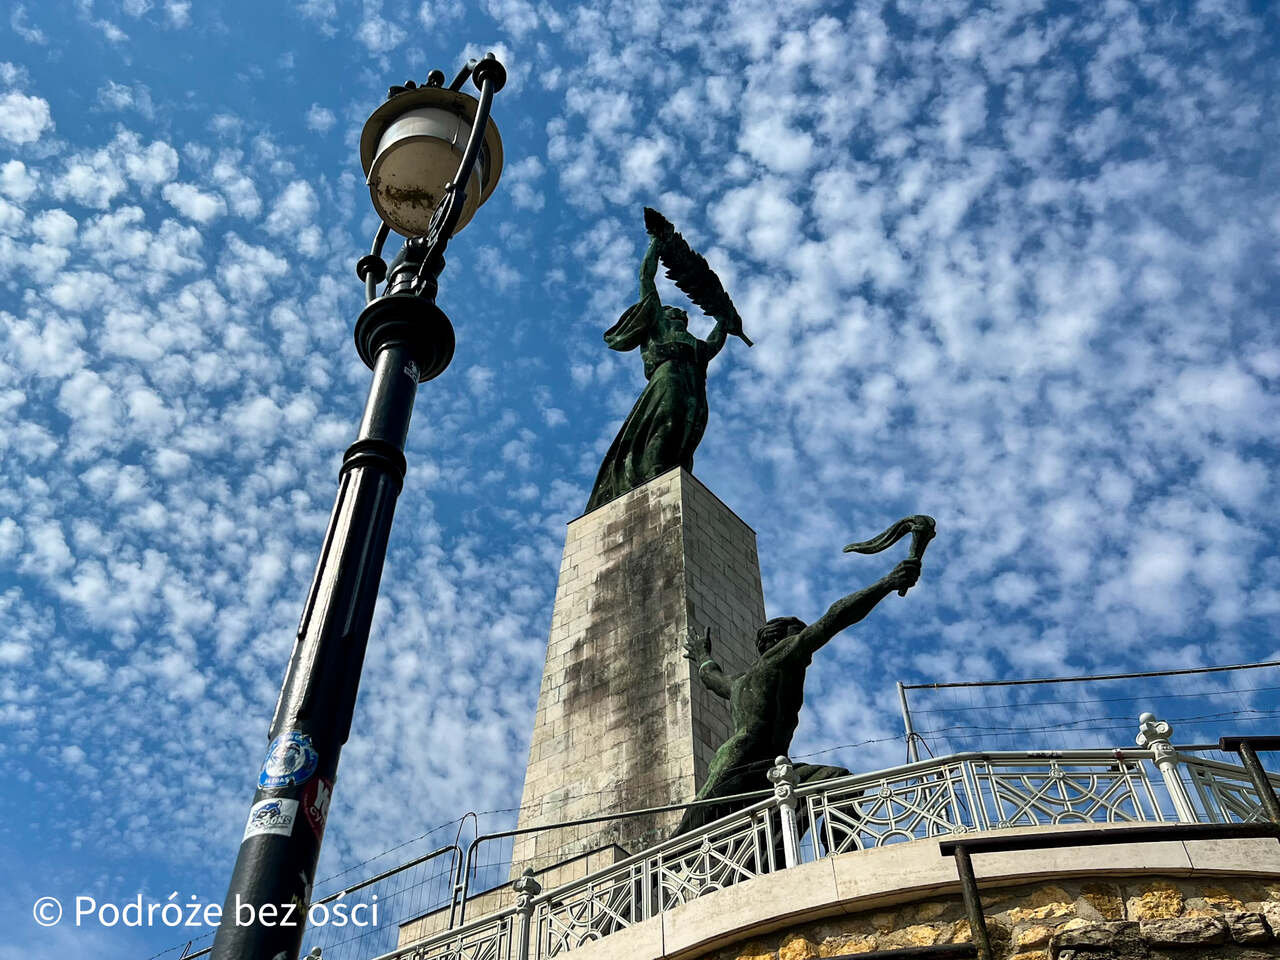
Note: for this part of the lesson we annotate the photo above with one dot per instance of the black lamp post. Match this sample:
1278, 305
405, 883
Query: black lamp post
431, 158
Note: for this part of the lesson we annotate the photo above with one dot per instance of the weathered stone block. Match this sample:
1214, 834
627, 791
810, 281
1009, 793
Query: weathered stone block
846, 945
1095, 936
1271, 913
1033, 936
1046, 902
916, 935
1104, 899
1184, 931
929, 910
798, 948
1247, 927
1224, 900
1155, 900
753, 951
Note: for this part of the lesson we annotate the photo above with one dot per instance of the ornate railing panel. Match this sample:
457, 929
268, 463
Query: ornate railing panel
590, 911
717, 856
861, 812
978, 792
1223, 792
725, 853
1022, 793
492, 938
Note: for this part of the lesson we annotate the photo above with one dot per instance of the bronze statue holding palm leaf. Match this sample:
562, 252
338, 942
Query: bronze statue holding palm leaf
666, 423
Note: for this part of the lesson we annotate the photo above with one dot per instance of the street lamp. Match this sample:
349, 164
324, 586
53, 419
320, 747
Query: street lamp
431, 157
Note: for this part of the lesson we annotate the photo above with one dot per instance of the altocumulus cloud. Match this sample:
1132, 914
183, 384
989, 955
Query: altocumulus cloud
995, 269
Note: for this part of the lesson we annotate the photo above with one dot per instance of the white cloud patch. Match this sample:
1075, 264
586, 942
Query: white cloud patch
16, 181
293, 214
193, 203
247, 269
240, 192
23, 118
151, 165
124, 97
320, 119
55, 227
378, 34
177, 13
519, 179
22, 26
772, 139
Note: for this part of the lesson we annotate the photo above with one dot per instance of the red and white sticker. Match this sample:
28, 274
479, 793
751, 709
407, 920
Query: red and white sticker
315, 803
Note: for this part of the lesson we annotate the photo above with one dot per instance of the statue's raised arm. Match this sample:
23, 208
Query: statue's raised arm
649, 270
848, 610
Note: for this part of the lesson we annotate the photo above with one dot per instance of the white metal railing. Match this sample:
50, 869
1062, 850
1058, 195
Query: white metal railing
1222, 792
958, 794
980, 791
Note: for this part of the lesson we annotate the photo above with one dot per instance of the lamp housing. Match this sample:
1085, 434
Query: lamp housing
410, 149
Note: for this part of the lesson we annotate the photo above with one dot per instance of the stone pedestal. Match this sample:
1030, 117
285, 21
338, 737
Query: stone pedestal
623, 722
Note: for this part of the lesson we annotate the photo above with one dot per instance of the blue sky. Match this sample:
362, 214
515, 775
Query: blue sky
1010, 264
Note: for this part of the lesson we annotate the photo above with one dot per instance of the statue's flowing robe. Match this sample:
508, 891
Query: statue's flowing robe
668, 419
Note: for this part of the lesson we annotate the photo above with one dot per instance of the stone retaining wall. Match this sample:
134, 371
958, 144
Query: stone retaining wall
1139, 918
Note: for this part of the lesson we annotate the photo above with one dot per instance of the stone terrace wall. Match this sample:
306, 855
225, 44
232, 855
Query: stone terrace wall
1127, 919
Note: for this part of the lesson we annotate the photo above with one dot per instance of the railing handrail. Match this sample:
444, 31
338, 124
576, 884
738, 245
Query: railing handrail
931, 765
1222, 766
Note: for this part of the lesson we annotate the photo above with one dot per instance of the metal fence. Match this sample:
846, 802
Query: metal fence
954, 795
387, 900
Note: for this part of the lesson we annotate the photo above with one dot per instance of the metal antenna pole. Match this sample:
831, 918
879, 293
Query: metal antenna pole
913, 752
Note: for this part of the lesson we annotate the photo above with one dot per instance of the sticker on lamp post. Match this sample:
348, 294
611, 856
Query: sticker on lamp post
271, 816
291, 760
315, 803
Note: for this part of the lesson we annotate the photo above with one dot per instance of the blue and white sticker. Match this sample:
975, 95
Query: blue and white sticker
271, 816
291, 760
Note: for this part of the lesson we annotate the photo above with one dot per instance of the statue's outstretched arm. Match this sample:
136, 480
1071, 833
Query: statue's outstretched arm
649, 268
716, 339
847, 611
698, 650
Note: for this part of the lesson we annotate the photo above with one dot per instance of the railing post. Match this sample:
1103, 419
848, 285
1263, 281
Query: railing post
527, 888
972, 903
783, 777
1154, 734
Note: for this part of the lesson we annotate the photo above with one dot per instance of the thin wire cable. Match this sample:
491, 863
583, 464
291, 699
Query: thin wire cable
404, 843
1085, 679
1127, 723
1140, 697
